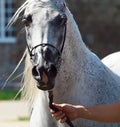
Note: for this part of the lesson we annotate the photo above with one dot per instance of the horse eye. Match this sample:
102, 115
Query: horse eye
27, 20
63, 19
26, 23
60, 20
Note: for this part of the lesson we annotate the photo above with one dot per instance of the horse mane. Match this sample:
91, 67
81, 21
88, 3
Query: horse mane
30, 89
18, 12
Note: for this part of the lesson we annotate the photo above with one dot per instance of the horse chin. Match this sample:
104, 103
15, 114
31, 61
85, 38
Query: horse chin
43, 86
45, 83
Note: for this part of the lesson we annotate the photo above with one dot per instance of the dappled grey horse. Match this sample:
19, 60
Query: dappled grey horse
58, 61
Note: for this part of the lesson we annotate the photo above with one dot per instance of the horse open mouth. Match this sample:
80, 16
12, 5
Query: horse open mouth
45, 77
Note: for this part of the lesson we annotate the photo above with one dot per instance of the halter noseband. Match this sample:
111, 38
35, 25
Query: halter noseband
42, 45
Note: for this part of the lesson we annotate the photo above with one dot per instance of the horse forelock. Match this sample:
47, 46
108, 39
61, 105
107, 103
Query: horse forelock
26, 4
18, 12
29, 90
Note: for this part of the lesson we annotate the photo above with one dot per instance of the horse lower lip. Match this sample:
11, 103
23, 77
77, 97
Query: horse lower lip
41, 84
43, 87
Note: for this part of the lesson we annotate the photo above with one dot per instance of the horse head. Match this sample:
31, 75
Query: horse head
45, 24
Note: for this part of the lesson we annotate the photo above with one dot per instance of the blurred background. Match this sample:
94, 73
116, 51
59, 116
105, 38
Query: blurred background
98, 21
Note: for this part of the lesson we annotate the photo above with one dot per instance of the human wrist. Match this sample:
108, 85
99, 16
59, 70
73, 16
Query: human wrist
80, 111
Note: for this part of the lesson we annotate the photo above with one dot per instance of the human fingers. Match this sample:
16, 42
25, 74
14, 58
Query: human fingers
58, 106
61, 117
63, 120
57, 115
52, 111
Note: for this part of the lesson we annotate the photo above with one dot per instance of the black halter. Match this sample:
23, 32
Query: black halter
43, 45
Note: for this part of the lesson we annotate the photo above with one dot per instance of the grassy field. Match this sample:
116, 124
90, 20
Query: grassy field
9, 94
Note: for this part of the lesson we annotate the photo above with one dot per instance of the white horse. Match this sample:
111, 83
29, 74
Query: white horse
112, 61
82, 77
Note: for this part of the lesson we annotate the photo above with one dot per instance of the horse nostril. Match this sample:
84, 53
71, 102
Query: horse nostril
35, 72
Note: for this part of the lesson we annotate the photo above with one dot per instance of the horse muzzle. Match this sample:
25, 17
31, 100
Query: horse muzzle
46, 63
45, 76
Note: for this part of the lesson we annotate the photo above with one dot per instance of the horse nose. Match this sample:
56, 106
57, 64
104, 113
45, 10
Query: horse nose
36, 73
46, 64
45, 77
42, 56
49, 69
45, 72
40, 75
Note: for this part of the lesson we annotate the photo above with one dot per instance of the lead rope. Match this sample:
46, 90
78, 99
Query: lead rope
56, 109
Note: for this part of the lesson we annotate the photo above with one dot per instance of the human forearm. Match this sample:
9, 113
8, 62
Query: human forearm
103, 113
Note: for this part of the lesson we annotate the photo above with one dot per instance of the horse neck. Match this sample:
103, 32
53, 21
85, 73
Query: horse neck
75, 59
75, 53
79, 68
74, 39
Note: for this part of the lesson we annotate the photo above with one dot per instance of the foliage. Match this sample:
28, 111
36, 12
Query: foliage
9, 94
24, 118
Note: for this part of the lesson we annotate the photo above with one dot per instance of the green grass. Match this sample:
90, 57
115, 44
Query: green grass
26, 118
9, 94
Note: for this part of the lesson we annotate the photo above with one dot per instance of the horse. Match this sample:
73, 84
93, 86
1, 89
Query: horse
58, 60
112, 61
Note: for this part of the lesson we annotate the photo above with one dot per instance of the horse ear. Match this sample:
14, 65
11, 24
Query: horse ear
63, 6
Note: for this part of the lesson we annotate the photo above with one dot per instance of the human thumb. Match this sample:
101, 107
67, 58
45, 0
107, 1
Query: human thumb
58, 106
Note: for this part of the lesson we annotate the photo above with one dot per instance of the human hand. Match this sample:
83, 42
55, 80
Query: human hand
66, 110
